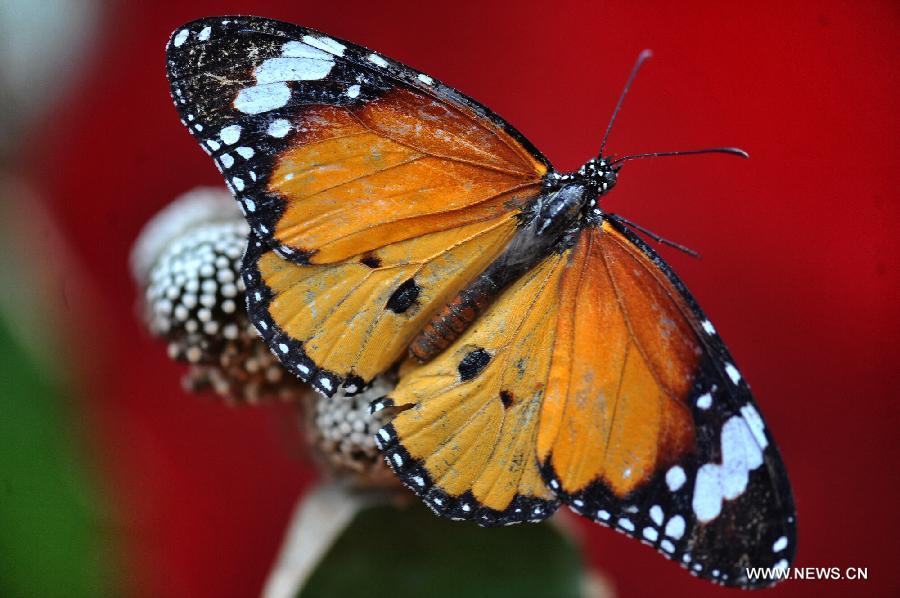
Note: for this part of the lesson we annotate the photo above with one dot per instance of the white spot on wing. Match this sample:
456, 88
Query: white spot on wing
675, 527
262, 98
715, 483
708, 327
280, 69
325, 43
707, 502
180, 38
245, 152
353, 91
656, 514
753, 419
675, 478
204, 33
704, 401
377, 60
780, 544
426, 79
733, 373
295, 49
230, 134
278, 128
298, 62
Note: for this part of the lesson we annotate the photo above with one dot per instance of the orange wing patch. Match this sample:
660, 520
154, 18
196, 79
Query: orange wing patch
355, 319
623, 364
400, 166
465, 441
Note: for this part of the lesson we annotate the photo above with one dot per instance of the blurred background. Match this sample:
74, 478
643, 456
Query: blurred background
114, 482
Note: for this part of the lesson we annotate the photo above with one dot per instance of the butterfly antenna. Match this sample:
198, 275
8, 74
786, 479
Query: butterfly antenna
734, 151
657, 238
642, 57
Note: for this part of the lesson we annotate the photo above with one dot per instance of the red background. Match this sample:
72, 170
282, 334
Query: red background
798, 243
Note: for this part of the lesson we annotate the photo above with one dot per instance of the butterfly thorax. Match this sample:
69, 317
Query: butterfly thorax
550, 223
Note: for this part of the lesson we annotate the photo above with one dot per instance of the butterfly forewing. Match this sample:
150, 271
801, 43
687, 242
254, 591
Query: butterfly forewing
647, 425
332, 149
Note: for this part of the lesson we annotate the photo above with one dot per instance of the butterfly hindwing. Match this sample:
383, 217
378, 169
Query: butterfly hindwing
464, 440
648, 427
342, 324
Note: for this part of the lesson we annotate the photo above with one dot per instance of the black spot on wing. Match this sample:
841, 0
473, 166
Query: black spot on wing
473, 364
506, 398
404, 297
371, 261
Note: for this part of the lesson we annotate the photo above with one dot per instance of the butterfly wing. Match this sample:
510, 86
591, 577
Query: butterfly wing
647, 425
600, 363
333, 150
464, 440
375, 191
344, 323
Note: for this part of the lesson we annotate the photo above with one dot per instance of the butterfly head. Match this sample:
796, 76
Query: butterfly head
600, 174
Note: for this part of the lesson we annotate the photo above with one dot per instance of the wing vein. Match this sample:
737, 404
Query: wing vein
625, 315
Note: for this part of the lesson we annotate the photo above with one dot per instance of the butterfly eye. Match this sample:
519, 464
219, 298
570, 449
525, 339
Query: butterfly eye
609, 179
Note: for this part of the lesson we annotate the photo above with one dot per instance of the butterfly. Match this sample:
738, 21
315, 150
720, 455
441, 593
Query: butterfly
549, 355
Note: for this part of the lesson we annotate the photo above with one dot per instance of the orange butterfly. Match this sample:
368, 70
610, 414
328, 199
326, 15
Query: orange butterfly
555, 358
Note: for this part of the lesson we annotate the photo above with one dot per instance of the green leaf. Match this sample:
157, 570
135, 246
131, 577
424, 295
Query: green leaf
399, 552
53, 539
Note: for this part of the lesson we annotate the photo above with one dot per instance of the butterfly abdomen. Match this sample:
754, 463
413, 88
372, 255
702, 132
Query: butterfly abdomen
548, 218
448, 324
